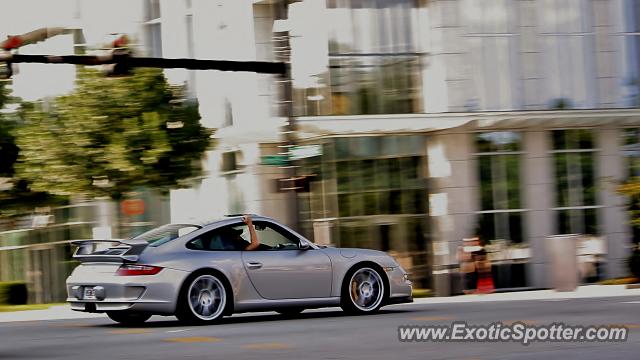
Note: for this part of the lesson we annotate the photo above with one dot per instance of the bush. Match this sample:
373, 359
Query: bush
634, 263
13, 293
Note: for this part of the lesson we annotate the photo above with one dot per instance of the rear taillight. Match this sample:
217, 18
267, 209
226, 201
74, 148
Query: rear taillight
135, 270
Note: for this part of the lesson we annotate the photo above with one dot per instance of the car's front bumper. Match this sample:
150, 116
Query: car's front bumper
149, 293
400, 286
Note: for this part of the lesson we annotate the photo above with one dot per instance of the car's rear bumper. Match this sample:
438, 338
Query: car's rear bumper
149, 293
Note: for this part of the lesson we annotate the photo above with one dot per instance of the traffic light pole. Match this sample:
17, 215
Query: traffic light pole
263, 67
125, 61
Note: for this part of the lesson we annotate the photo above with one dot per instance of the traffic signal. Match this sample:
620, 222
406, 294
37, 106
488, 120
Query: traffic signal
6, 70
120, 54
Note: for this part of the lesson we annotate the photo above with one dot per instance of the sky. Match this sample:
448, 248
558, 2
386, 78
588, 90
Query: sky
97, 18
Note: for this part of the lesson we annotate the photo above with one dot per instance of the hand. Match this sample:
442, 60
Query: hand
247, 219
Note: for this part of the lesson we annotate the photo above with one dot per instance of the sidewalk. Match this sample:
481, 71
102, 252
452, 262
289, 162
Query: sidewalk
58, 312
586, 291
63, 312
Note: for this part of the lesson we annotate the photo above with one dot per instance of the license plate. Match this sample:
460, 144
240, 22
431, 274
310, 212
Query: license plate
89, 294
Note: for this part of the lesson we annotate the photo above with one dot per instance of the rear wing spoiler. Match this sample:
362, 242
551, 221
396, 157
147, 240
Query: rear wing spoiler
108, 250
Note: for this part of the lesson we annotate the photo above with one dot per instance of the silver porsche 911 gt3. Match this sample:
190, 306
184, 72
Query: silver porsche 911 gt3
200, 273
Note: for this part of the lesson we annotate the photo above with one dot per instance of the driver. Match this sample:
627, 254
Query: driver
240, 243
255, 243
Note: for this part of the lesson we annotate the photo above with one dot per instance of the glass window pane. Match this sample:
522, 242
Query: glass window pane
515, 227
486, 183
562, 182
588, 179
395, 203
512, 165
370, 203
487, 227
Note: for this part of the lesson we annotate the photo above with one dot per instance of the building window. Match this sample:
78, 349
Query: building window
153, 28
373, 60
566, 38
498, 155
228, 113
575, 196
492, 43
190, 43
373, 190
631, 154
229, 161
631, 151
632, 52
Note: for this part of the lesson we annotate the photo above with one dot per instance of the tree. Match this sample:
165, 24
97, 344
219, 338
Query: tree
111, 136
631, 189
16, 195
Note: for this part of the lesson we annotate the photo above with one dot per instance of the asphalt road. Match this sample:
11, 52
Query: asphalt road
327, 334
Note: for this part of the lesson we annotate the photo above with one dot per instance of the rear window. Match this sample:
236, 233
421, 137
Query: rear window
166, 233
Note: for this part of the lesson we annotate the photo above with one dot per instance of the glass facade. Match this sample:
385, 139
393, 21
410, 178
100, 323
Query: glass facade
373, 190
631, 154
632, 51
575, 185
566, 38
153, 27
374, 62
499, 166
491, 38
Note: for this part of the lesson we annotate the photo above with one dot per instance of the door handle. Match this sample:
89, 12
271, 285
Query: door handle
254, 265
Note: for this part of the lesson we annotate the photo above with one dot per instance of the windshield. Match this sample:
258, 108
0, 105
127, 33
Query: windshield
166, 233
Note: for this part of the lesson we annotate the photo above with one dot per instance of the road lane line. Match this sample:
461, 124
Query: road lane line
631, 302
431, 318
194, 339
526, 322
129, 331
267, 346
177, 331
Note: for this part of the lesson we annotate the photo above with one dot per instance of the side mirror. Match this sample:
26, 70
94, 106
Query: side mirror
304, 245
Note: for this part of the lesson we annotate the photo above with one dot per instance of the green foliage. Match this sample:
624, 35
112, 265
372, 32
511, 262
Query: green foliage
15, 193
13, 293
634, 263
111, 136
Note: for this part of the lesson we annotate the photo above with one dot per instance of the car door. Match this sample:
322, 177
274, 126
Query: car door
279, 269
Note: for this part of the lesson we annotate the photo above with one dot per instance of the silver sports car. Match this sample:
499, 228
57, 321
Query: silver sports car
200, 273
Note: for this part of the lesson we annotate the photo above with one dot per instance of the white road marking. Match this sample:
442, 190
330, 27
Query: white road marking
631, 302
176, 331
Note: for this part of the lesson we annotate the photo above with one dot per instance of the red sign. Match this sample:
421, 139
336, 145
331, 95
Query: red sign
132, 207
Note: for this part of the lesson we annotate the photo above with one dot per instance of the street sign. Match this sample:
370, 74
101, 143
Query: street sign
305, 151
274, 160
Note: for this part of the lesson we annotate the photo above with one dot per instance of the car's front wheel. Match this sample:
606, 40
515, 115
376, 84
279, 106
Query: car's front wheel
128, 317
363, 291
203, 299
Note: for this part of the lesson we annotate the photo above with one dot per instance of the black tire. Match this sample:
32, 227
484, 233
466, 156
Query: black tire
203, 307
377, 292
290, 312
128, 317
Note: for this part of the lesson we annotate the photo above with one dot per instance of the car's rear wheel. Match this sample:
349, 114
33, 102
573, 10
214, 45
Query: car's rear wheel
128, 317
363, 291
203, 299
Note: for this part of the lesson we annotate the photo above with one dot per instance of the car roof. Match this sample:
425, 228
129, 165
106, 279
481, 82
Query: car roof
229, 218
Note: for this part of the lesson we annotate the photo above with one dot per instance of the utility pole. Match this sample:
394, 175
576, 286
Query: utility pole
282, 50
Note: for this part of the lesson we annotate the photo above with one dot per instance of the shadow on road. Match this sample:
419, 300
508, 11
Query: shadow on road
250, 318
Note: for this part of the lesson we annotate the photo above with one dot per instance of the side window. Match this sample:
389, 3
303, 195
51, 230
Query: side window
272, 237
234, 237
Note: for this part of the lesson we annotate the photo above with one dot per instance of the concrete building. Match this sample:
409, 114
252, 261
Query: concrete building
432, 121
437, 120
